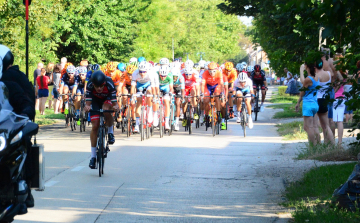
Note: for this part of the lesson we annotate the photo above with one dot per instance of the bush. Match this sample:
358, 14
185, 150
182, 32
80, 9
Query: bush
282, 90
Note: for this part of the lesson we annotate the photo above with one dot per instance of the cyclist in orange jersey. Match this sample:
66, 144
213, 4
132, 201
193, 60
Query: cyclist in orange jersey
212, 84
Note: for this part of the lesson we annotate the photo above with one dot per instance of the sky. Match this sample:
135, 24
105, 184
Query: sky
246, 20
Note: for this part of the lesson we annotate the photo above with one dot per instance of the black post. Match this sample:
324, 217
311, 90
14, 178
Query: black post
27, 3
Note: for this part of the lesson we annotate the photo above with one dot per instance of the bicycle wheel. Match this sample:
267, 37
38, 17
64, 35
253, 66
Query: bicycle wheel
171, 118
243, 119
100, 150
197, 123
141, 127
213, 120
84, 120
72, 112
256, 108
189, 115
147, 131
128, 124
161, 120
227, 114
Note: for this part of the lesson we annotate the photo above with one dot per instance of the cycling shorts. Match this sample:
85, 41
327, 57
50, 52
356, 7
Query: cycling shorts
177, 91
258, 83
210, 89
165, 89
244, 91
80, 90
69, 87
127, 87
97, 104
143, 87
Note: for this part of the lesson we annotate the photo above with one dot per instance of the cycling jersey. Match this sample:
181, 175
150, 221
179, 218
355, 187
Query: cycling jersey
126, 79
108, 93
246, 88
88, 75
148, 78
201, 73
168, 80
260, 77
116, 78
212, 80
65, 81
180, 82
231, 75
212, 83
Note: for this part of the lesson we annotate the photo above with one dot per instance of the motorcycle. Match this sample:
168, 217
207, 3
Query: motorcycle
15, 134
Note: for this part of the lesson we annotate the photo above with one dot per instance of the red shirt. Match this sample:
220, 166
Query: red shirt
45, 82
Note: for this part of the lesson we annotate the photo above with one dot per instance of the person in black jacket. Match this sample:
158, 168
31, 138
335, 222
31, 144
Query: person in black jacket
9, 72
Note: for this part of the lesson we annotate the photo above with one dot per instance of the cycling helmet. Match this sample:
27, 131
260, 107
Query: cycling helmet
82, 70
88, 67
98, 78
6, 58
189, 70
141, 59
121, 67
133, 60
152, 63
130, 69
189, 63
244, 65
202, 64
239, 67
250, 69
257, 68
111, 66
95, 67
164, 71
212, 66
229, 66
70, 69
143, 66
164, 61
207, 65
242, 76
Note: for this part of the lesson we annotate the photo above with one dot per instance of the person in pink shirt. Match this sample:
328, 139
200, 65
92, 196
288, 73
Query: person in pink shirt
339, 109
42, 92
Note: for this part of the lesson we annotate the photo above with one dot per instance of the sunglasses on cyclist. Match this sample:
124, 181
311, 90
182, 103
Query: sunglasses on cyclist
71, 73
101, 86
228, 70
82, 74
188, 74
142, 72
163, 75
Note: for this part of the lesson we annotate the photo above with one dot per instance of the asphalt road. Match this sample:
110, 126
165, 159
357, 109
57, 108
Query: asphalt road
179, 178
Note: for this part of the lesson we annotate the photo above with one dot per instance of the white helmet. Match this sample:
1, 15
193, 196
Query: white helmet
188, 70
242, 76
133, 60
164, 71
250, 68
189, 63
143, 66
202, 63
239, 67
164, 61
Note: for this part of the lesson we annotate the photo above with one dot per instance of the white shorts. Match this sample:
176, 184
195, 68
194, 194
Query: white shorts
338, 110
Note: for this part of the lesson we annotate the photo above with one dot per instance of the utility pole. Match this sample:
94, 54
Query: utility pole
187, 55
201, 55
27, 3
173, 48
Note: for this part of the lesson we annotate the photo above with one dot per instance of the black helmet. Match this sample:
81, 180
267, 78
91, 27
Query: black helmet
257, 68
6, 57
98, 78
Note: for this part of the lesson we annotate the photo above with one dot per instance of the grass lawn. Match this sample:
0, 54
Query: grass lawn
288, 111
310, 197
292, 130
49, 117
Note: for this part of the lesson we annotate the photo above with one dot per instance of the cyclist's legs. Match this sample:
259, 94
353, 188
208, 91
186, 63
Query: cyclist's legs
66, 91
193, 100
79, 92
149, 99
95, 123
178, 104
206, 101
109, 120
262, 95
248, 105
238, 93
230, 99
125, 98
217, 99
138, 106
167, 106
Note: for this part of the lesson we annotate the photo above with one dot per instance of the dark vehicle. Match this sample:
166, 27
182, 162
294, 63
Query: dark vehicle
15, 134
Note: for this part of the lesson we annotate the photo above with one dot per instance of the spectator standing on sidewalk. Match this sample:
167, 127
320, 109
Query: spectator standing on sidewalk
42, 82
56, 80
49, 71
37, 73
310, 105
63, 61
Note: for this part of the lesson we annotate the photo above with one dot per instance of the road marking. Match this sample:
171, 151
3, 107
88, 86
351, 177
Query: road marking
78, 168
51, 183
